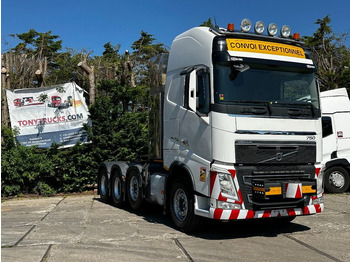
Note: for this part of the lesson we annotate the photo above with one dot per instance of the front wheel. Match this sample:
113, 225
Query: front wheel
182, 207
336, 179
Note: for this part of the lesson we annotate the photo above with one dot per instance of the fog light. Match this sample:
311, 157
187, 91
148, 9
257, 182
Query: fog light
227, 205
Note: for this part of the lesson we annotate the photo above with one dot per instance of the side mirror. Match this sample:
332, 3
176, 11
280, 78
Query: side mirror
197, 89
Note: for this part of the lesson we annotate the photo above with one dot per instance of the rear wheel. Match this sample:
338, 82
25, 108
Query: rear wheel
336, 179
182, 207
103, 186
134, 190
117, 192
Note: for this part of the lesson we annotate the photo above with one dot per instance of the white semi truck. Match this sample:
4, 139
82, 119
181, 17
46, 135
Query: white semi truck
235, 132
336, 139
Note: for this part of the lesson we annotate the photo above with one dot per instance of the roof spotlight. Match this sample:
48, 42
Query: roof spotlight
285, 31
259, 27
272, 29
246, 25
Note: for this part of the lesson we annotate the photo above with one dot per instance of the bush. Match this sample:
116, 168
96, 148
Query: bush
45, 171
44, 189
118, 131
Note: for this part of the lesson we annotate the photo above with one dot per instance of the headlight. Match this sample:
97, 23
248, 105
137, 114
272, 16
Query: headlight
227, 187
320, 188
259, 27
285, 31
272, 29
246, 25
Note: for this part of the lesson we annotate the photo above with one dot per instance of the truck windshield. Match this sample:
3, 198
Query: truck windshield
258, 84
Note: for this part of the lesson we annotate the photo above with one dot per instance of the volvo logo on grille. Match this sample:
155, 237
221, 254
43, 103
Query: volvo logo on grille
279, 156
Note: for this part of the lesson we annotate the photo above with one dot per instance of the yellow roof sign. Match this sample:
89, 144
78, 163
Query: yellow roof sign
262, 47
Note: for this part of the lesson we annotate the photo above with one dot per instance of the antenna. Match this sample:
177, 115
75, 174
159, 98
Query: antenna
216, 26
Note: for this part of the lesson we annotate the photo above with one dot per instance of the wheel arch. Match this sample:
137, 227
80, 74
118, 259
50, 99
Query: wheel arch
121, 168
177, 170
109, 168
104, 167
134, 167
342, 162
341, 165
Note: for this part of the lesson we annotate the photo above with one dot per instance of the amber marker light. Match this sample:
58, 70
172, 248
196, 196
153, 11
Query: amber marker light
230, 27
296, 36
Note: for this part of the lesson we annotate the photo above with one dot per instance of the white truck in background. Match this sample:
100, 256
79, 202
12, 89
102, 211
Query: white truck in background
336, 139
235, 131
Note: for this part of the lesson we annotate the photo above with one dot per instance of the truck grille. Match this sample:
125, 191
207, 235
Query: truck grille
261, 152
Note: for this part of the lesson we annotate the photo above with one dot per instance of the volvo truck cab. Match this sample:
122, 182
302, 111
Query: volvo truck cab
235, 132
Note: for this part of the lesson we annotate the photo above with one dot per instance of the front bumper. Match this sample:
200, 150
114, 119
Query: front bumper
235, 214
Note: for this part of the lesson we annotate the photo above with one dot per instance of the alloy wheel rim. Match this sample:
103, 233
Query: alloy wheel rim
180, 204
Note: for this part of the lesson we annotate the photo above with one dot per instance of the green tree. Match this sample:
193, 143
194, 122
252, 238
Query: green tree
111, 52
331, 56
32, 59
117, 132
145, 49
64, 69
38, 44
208, 23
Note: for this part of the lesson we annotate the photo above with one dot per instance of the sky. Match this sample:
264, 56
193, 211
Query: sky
88, 25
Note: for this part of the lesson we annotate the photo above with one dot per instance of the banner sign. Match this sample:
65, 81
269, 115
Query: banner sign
263, 47
54, 114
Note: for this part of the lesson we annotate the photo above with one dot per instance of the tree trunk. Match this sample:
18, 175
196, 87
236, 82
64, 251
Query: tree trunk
90, 71
8, 60
129, 66
4, 109
41, 72
39, 77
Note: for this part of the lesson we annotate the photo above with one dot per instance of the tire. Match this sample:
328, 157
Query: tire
182, 207
134, 190
336, 179
103, 187
117, 190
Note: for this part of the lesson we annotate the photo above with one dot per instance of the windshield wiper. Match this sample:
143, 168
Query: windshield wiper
292, 103
305, 111
254, 109
247, 101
